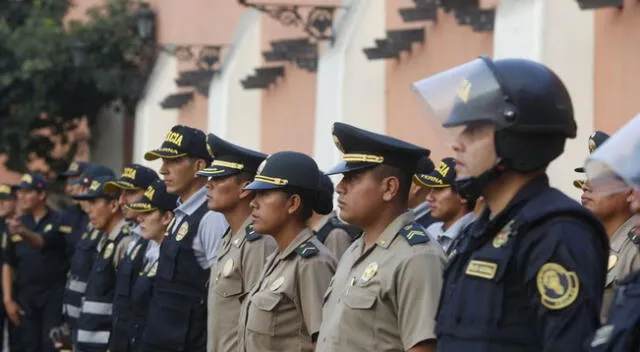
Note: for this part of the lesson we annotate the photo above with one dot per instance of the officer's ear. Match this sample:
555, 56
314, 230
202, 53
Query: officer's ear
199, 164
166, 218
294, 204
114, 206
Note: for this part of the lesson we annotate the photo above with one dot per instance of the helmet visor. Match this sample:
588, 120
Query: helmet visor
615, 166
464, 94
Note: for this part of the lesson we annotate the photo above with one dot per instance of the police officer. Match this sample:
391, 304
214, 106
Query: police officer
40, 275
529, 275
418, 193
131, 185
385, 291
95, 321
178, 311
452, 211
155, 214
595, 140
330, 230
242, 255
614, 168
615, 214
7, 210
73, 222
283, 311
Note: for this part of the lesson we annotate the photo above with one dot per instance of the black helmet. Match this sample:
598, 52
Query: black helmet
526, 102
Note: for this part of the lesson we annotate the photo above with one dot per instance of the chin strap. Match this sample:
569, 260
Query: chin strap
472, 187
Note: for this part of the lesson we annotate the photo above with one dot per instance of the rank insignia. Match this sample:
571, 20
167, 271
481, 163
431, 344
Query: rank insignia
182, 231
228, 267
276, 284
558, 287
613, 260
503, 236
108, 252
369, 272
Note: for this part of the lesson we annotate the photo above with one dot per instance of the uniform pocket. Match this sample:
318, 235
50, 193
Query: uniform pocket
262, 314
228, 287
168, 323
168, 260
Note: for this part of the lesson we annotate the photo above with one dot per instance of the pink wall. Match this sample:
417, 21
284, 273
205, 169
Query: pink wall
288, 106
446, 45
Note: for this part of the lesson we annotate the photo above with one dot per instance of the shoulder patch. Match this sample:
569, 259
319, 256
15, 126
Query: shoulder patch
307, 249
251, 234
16, 238
414, 234
65, 229
558, 287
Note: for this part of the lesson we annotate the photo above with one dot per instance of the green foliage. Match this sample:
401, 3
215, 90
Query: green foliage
37, 71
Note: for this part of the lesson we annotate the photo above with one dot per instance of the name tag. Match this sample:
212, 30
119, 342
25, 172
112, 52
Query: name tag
65, 229
480, 268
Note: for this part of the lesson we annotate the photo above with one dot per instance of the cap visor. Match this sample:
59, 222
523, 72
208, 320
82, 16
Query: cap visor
259, 185
217, 172
140, 207
7, 196
70, 173
345, 167
85, 196
161, 154
579, 169
429, 181
112, 187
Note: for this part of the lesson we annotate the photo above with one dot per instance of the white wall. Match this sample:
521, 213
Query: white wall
152, 122
350, 88
234, 112
109, 136
560, 35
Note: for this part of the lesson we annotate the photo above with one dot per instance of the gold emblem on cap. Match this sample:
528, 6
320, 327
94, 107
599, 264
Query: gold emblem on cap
443, 169
592, 145
464, 91
336, 141
182, 231
27, 179
152, 271
277, 283
5, 189
369, 272
503, 236
613, 260
135, 252
74, 166
175, 138
149, 193
228, 266
108, 251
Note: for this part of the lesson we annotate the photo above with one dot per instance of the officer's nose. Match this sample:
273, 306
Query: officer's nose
341, 187
163, 168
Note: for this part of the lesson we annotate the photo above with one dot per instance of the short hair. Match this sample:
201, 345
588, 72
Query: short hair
244, 176
383, 171
308, 199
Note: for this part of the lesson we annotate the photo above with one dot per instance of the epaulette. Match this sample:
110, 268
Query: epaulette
251, 234
126, 229
65, 229
307, 249
414, 234
634, 237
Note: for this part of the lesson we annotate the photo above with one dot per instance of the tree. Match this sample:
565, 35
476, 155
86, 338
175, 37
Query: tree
52, 74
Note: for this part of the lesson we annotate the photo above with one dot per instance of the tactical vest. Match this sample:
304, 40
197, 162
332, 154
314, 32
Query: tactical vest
128, 272
335, 223
95, 322
141, 294
179, 302
81, 264
621, 333
475, 312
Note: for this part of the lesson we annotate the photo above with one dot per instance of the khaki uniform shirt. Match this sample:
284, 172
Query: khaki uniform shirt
624, 257
384, 298
284, 309
337, 240
241, 259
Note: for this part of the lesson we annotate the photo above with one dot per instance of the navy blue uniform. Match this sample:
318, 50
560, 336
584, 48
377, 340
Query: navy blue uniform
530, 279
141, 293
40, 278
96, 318
128, 272
73, 224
15, 339
178, 312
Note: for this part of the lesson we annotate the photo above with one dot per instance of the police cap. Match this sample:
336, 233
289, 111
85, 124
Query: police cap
8, 191
91, 172
134, 177
96, 189
441, 177
181, 141
230, 159
155, 197
33, 181
76, 168
363, 149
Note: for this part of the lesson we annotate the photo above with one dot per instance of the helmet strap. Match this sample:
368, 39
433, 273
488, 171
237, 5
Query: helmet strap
472, 187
